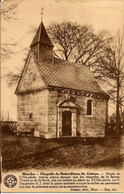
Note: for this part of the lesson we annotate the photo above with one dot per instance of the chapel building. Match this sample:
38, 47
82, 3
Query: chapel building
57, 98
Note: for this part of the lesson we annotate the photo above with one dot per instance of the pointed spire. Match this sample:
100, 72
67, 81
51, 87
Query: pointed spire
41, 44
41, 37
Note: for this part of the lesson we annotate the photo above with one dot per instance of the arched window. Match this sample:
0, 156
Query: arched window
89, 107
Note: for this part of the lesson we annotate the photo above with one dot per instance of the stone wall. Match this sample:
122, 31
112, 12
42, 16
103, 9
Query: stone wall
86, 125
91, 125
30, 83
36, 104
52, 113
47, 115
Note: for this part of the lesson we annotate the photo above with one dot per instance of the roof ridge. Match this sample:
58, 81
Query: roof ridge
71, 62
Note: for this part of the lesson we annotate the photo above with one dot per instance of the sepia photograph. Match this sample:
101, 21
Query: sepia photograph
62, 95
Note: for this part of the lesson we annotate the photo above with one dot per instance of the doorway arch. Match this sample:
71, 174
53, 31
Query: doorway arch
66, 119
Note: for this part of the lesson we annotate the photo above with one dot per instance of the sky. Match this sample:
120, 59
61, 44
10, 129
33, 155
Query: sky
101, 14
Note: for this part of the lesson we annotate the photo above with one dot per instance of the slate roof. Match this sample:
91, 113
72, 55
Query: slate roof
41, 37
66, 74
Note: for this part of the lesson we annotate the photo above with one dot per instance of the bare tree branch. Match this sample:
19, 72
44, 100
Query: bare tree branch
8, 13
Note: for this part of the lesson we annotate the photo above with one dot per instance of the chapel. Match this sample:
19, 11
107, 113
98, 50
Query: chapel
58, 98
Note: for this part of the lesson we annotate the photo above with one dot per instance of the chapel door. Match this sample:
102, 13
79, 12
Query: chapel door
66, 123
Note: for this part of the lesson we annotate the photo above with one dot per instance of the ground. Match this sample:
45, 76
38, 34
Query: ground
31, 152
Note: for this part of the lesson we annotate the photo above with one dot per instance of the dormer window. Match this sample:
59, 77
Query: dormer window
89, 107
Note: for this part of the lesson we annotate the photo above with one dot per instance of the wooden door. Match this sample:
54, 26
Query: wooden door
66, 123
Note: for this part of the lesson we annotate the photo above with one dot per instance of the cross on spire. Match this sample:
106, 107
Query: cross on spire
41, 14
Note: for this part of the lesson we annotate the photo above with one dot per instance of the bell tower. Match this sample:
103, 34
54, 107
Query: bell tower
42, 45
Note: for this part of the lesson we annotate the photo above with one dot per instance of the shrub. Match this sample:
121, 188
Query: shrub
111, 129
6, 130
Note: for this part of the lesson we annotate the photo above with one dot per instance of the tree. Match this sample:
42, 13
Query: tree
77, 43
104, 54
8, 45
8, 14
111, 69
73, 42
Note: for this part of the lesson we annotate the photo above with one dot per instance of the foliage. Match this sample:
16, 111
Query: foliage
6, 130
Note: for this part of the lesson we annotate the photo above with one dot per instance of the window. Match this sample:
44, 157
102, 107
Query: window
30, 116
89, 107
32, 77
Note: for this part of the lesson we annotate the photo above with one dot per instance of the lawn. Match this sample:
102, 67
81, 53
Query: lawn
30, 152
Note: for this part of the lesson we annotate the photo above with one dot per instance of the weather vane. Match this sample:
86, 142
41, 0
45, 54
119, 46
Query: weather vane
42, 14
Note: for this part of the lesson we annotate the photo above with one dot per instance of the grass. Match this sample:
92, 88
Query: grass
31, 152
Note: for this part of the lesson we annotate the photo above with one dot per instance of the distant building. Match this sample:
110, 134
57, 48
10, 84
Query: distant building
58, 98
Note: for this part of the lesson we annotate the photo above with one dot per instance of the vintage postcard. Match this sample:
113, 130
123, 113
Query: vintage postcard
62, 96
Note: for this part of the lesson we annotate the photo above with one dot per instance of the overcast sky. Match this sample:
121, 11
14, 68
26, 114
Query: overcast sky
101, 14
